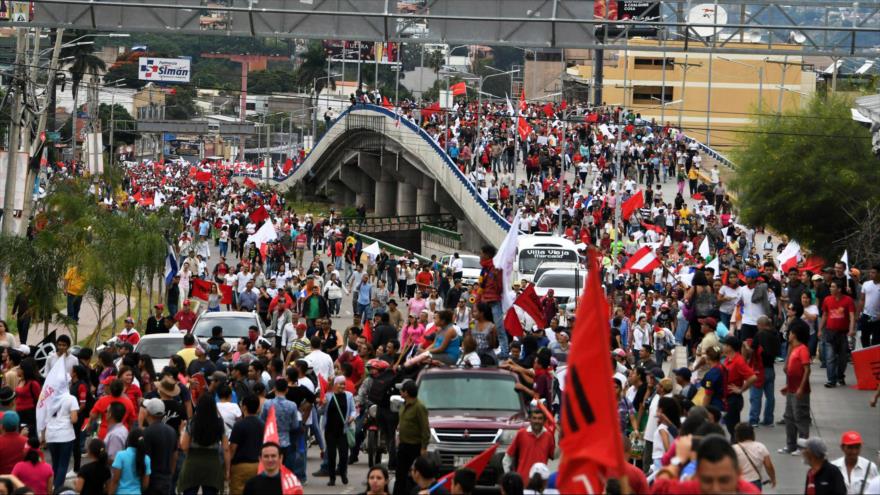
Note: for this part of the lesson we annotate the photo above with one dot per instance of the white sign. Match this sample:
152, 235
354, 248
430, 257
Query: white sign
164, 69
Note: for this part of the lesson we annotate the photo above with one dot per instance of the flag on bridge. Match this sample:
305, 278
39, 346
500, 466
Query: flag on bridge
170, 265
592, 443
386, 104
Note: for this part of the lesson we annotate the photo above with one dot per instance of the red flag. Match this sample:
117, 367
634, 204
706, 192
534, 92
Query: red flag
813, 264
190, 199
530, 304
523, 104
563, 105
635, 202
387, 104
430, 110
136, 196
477, 465
288, 166
458, 89
259, 214
290, 484
548, 109
201, 289
655, 228
592, 117
592, 444
225, 294
323, 385
248, 183
203, 176
642, 261
523, 128
368, 331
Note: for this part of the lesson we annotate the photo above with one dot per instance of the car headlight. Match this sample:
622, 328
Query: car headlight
507, 437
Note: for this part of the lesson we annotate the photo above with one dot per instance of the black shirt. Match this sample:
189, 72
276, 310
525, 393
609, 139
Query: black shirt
95, 475
247, 435
160, 441
154, 325
382, 334
262, 484
299, 394
768, 341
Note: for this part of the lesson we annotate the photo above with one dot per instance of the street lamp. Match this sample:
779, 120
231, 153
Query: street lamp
480, 95
760, 70
315, 113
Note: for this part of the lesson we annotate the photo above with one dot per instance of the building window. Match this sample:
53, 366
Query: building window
651, 95
653, 63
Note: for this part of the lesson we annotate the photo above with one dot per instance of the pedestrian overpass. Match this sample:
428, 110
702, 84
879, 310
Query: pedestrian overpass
368, 156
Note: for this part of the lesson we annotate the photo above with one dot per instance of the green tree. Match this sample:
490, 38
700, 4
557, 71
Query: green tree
81, 60
808, 174
312, 68
181, 105
120, 119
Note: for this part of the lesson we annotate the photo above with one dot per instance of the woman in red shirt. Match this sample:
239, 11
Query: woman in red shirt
27, 393
132, 390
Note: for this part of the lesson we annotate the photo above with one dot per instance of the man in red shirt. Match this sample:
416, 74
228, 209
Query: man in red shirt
186, 317
102, 406
838, 321
425, 280
491, 286
797, 386
530, 445
740, 376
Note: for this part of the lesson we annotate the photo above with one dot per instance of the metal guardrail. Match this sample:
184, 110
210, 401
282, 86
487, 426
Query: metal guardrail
398, 223
391, 248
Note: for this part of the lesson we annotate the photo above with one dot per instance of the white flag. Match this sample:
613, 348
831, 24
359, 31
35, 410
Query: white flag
55, 387
509, 105
265, 234
704, 247
792, 250
845, 260
715, 266
503, 260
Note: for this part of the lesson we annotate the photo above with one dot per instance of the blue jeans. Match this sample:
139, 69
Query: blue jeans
60, 453
725, 318
224, 247
767, 393
365, 312
73, 305
836, 352
498, 319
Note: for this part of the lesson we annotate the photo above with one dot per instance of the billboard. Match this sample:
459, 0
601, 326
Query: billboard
16, 11
164, 69
337, 51
628, 10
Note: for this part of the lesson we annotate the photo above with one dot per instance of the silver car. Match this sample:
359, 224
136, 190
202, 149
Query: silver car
235, 325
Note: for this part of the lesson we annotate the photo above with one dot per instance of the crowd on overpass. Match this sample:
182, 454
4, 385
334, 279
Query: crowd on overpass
749, 314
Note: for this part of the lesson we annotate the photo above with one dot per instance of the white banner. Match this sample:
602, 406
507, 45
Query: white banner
164, 69
55, 387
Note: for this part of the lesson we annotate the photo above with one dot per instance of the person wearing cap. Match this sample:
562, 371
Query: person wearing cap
740, 376
856, 470
129, 333
838, 321
160, 443
823, 478
754, 297
154, 322
186, 317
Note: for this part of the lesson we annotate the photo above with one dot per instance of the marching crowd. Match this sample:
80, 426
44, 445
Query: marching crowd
200, 423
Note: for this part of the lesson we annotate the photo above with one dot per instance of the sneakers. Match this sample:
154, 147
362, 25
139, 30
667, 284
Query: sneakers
754, 425
321, 474
830, 385
841, 382
785, 451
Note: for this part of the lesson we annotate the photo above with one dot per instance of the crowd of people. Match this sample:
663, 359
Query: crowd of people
198, 424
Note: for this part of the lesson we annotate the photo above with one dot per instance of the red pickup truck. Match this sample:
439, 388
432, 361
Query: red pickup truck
469, 410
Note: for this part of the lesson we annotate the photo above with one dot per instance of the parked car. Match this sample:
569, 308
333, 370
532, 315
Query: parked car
469, 410
471, 268
235, 325
567, 284
555, 265
160, 347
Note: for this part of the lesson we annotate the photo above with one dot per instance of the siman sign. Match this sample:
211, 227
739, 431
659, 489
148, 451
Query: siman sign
164, 69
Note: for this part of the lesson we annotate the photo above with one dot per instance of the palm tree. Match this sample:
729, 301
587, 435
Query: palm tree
313, 68
81, 61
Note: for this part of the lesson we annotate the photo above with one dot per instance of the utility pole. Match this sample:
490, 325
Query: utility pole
18, 85
685, 66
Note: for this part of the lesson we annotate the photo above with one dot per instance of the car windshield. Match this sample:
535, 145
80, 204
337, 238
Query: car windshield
160, 348
561, 280
232, 327
469, 392
529, 259
468, 262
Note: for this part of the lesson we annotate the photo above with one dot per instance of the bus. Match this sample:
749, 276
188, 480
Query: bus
535, 249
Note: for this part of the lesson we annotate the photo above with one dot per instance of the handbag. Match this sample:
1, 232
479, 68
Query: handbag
749, 458
349, 432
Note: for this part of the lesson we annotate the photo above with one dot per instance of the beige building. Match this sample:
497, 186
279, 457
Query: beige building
639, 79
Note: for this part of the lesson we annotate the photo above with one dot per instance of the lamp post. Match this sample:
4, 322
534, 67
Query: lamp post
317, 95
760, 70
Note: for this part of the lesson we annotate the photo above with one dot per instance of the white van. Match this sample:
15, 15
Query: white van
538, 248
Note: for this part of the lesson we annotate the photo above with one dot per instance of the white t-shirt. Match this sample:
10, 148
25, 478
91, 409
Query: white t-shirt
322, 363
230, 412
733, 294
658, 449
751, 311
59, 429
457, 265
757, 452
871, 291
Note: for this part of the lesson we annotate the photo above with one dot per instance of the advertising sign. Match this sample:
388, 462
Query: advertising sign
164, 69
16, 11
628, 10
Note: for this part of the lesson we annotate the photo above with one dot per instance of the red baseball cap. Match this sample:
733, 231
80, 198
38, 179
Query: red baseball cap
851, 438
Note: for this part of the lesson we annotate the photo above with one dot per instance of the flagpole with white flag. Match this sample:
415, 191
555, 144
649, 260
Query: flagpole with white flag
504, 259
265, 234
56, 386
704, 248
171, 265
845, 260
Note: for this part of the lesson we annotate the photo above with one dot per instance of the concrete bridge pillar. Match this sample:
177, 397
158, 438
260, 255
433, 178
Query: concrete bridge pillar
406, 199
425, 204
366, 193
386, 197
